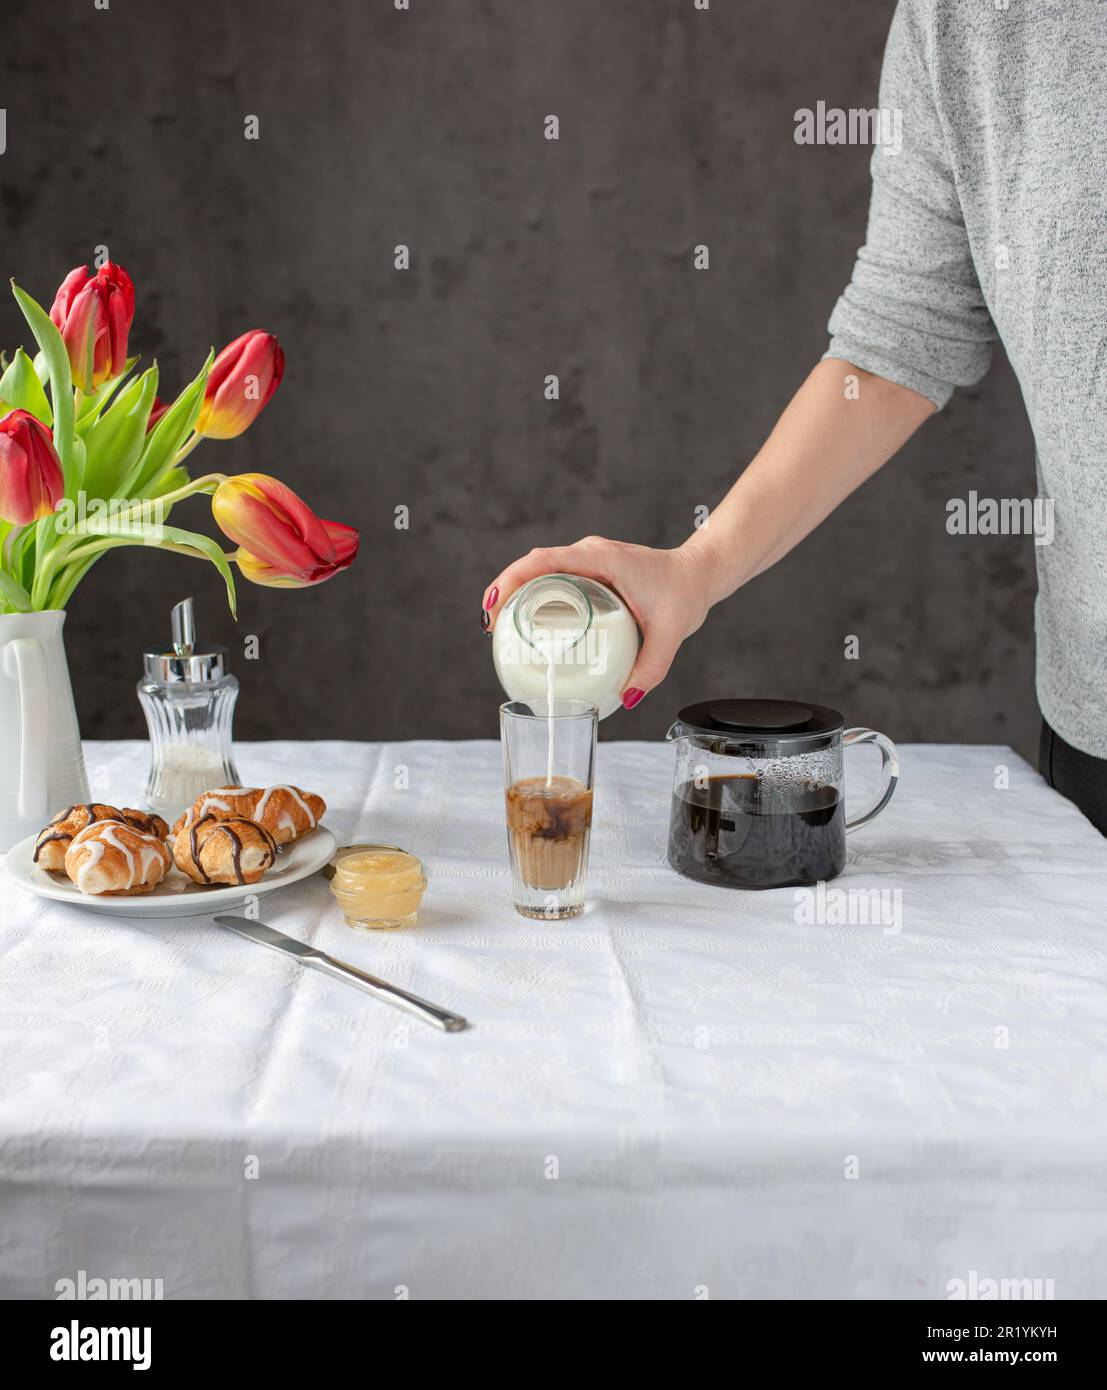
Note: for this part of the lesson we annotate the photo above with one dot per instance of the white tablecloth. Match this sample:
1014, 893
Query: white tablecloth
686, 1091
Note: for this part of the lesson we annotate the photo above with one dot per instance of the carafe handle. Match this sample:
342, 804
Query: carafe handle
889, 772
25, 662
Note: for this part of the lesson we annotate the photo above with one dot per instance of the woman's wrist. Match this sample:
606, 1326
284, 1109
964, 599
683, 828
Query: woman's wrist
715, 571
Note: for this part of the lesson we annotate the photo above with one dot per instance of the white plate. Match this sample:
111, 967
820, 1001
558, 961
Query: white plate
176, 895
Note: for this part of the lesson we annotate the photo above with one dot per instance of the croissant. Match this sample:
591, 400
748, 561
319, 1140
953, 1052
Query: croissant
230, 849
55, 838
285, 812
112, 857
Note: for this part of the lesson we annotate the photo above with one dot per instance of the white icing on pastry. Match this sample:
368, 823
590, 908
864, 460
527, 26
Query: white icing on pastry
95, 852
259, 809
149, 856
250, 802
108, 833
213, 798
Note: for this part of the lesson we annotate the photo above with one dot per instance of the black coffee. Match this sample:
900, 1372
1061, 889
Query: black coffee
745, 832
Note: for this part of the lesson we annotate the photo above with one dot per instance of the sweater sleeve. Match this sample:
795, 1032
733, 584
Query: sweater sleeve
914, 312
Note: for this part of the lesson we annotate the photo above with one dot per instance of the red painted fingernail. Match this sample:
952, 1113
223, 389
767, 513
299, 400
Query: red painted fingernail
493, 595
485, 619
632, 696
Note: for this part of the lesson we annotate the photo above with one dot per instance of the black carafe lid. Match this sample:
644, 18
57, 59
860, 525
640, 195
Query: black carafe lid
753, 721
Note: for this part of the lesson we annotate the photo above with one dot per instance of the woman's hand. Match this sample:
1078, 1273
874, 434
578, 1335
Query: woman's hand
667, 591
827, 442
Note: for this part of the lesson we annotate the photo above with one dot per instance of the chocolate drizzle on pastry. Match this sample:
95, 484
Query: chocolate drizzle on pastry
44, 840
81, 815
195, 849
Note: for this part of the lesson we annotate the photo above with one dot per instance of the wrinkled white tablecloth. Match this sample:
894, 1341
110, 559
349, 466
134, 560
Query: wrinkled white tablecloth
685, 1092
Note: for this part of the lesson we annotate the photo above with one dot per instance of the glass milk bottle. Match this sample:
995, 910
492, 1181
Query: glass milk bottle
188, 699
565, 637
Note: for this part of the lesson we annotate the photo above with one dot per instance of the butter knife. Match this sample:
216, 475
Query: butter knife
342, 970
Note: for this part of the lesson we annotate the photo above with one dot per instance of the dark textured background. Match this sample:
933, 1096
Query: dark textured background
125, 127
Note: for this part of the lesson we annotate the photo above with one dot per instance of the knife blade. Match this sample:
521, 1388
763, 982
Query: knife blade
310, 956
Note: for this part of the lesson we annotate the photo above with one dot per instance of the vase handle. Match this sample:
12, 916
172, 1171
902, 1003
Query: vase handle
26, 656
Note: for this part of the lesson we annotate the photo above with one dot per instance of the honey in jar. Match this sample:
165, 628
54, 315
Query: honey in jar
377, 887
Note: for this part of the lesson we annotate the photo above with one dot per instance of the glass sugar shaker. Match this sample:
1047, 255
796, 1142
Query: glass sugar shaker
188, 698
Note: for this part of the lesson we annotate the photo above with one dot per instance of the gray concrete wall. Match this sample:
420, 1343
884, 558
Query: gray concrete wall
424, 388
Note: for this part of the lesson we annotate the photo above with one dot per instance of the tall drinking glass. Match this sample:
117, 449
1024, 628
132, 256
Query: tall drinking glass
549, 765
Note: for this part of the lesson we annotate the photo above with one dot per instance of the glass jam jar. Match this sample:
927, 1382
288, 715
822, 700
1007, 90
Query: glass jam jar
377, 887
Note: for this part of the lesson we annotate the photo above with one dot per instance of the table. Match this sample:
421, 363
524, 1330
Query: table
685, 1093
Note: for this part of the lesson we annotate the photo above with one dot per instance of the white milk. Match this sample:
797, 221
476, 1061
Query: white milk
551, 687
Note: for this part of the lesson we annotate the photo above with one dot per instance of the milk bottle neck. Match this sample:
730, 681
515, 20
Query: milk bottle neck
553, 615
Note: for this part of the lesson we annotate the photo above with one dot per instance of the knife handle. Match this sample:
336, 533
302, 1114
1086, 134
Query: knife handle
431, 1013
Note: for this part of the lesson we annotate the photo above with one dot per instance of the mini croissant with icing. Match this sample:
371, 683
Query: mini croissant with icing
115, 858
228, 849
54, 840
285, 812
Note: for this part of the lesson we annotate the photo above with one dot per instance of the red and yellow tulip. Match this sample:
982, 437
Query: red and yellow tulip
94, 314
240, 385
282, 543
31, 482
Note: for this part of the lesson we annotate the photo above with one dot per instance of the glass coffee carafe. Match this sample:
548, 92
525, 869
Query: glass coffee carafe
758, 792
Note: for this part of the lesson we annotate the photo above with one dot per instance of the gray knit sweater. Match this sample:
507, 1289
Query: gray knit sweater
992, 221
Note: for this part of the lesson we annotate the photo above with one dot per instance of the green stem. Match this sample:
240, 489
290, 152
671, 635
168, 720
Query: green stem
83, 552
61, 552
79, 561
186, 448
208, 483
67, 581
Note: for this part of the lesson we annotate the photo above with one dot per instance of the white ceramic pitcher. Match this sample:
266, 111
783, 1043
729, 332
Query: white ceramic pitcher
42, 767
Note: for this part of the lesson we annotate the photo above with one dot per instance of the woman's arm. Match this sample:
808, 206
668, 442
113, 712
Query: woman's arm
839, 428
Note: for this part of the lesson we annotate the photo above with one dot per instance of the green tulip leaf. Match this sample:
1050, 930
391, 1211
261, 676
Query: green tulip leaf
93, 406
13, 594
171, 481
61, 383
169, 435
115, 532
114, 443
21, 389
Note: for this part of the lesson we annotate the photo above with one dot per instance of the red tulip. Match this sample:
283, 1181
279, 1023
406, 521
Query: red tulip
31, 482
282, 543
94, 314
157, 410
240, 384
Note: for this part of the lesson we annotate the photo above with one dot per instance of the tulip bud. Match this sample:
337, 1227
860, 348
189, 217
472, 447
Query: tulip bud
94, 314
31, 482
283, 544
240, 385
